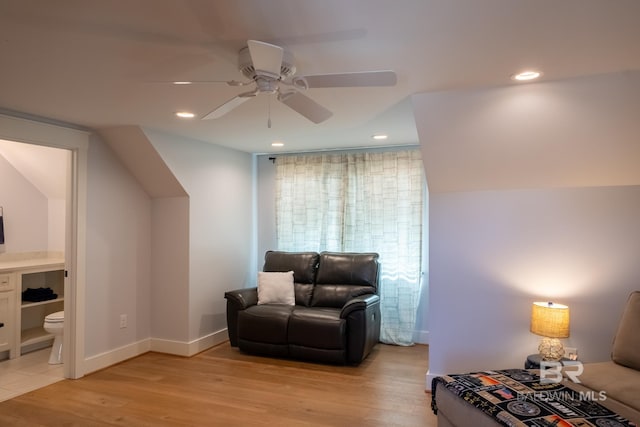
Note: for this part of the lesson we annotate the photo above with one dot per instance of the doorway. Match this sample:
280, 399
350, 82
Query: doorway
75, 142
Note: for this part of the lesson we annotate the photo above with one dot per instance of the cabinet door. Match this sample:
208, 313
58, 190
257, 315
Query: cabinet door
7, 318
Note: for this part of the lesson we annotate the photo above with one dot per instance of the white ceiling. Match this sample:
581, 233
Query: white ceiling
96, 63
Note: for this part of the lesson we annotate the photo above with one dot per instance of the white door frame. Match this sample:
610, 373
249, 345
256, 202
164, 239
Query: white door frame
77, 142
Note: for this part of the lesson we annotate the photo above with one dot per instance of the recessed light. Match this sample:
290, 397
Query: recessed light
380, 137
526, 75
277, 144
182, 83
185, 115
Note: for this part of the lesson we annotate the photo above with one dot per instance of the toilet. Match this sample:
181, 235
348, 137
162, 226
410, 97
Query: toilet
54, 324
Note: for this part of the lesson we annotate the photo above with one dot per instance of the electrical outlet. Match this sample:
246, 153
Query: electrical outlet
123, 321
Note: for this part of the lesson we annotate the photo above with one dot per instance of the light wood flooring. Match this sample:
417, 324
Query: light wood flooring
225, 387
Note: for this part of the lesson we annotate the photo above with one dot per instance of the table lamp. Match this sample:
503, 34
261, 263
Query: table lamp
551, 321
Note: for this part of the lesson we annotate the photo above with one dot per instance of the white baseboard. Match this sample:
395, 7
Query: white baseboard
106, 359
188, 349
178, 348
421, 337
429, 377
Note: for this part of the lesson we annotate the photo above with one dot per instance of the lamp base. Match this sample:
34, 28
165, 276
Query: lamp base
551, 349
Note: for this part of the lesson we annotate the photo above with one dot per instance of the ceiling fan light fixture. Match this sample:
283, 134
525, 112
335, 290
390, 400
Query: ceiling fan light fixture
246, 66
185, 114
526, 75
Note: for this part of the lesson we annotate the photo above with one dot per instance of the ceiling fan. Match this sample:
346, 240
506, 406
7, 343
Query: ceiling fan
270, 68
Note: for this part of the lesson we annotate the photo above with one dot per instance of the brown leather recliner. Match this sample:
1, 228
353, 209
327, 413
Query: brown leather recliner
336, 317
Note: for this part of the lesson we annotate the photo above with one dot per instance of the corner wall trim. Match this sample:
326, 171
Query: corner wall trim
178, 348
109, 358
429, 377
188, 349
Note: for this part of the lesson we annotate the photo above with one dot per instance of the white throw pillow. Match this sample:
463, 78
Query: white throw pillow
276, 288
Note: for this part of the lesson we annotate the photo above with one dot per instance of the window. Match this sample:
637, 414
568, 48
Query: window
359, 202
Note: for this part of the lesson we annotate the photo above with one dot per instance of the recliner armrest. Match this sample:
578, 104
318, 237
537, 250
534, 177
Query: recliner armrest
359, 303
242, 298
237, 301
362, 315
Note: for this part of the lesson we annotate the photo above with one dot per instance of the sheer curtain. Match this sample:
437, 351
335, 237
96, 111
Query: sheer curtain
359, 202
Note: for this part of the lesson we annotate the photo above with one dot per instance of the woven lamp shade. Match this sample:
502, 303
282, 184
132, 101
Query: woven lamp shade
550, 320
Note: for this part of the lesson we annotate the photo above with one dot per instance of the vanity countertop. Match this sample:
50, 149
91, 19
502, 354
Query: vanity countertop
34, 262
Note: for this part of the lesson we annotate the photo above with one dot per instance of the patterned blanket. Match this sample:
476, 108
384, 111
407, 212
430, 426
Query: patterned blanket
516, 397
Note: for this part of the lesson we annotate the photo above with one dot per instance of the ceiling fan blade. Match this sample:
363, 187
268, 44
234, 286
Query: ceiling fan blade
227, 107
200, 82
360, 79
206, 82
305, 106
266, 58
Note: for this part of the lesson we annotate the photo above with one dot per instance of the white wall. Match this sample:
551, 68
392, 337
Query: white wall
266, 200
493, 253
118, 254
56, 210
219, 183
421, 333
170, 268
25, 211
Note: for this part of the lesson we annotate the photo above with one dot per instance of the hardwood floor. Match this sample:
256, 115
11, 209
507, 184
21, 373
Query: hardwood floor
225, 387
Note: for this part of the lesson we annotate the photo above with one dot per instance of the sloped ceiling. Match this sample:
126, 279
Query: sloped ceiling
45, 167
136, 152
575, 133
